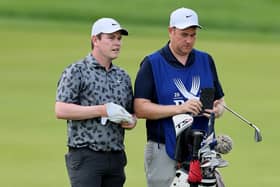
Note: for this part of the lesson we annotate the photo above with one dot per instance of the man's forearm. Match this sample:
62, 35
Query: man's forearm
148, 110
71, 111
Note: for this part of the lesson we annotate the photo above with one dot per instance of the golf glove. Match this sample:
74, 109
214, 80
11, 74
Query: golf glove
116, 114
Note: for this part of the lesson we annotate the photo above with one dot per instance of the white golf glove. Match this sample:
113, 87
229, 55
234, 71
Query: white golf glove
116, 114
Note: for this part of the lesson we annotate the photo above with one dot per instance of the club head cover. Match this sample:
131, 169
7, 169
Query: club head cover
195, 174
224, 144
181, 122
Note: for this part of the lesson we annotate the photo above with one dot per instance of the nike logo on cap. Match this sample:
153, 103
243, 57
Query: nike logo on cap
188, 16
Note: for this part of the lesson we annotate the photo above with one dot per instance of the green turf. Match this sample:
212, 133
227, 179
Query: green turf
261, 15
35, 51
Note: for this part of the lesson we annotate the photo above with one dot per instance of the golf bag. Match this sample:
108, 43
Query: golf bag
196, 155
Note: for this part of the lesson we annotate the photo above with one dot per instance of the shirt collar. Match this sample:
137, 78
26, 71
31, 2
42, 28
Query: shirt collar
93, 62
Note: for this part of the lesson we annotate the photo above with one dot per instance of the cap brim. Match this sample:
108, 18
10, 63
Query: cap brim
121, 30
188, 26
124, 32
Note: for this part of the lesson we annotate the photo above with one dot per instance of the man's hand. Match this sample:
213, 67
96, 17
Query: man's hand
192, 106
218, 109
129, 126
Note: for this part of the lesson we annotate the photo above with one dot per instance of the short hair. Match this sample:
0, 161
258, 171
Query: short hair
98, 37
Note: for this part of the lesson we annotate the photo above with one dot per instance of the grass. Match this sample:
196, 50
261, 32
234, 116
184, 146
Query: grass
250, 15
34, 53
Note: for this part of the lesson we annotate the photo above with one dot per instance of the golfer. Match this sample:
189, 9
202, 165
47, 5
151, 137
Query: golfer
168, 83
95, 97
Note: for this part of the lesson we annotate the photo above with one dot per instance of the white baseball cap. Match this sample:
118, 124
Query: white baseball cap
183, 18
107, 25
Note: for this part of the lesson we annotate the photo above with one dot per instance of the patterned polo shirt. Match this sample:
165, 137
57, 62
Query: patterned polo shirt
87, 83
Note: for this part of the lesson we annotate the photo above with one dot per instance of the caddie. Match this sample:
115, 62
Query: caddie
168, 83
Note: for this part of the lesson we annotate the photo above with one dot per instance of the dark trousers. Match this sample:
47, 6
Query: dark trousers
88, 168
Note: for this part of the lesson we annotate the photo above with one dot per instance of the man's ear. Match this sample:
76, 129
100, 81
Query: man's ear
94, 40
170, 29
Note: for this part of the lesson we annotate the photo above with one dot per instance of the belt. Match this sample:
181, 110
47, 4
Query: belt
157, 140
71, 149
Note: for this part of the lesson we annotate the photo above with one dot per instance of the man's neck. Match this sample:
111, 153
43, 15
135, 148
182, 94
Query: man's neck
105, 62
181, 58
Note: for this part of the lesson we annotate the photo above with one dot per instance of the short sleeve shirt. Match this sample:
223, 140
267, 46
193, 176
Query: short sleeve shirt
87, 83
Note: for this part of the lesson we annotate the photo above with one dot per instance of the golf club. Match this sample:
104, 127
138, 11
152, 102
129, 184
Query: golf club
258, 136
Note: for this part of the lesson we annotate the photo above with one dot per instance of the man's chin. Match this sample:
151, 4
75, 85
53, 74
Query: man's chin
113, 57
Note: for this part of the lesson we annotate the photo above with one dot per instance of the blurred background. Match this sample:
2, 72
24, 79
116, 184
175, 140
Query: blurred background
38, 39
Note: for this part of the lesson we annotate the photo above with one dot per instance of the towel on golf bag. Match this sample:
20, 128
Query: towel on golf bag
195, 174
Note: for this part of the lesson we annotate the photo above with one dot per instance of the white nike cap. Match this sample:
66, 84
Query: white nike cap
183, 18
107, 26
